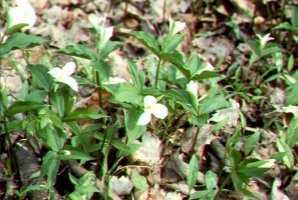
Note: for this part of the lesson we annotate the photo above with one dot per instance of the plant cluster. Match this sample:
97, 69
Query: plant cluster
46, 115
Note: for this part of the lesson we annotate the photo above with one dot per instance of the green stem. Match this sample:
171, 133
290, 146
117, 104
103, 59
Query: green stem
157, 73
99, 91
7, 134
222, 186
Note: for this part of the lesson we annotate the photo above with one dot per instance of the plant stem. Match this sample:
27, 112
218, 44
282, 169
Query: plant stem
222, 186
157, 73
99, 91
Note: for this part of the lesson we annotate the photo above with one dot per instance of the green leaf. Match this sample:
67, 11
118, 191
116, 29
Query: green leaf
133, 131
78, 50
103, 69
176, 58
40, 76
211, 180
22, 106
82, 114
125, 93
37, 96
138, 181
71, 153
294, 19
109, 48
284, 26
292, 133
171, 44
213, 103
255, 47
20, 41
271, 50
205, 75
49, 167
137, 76
251, 142
289, 158
13, 29
192, 174
290, 64
148, 40
292, 94
125, 149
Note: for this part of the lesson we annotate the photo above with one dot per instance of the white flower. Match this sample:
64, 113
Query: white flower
105, 33
176, 26
152, 107
192, 87
64, 75
24, 13
264, 39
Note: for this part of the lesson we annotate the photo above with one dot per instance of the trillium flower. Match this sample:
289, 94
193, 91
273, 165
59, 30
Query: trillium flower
264, 39
64, 75
192, 87
152, 107
176, 26
104, 33
24, 13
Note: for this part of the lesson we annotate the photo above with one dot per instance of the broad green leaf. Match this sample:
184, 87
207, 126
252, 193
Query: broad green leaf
22, 106
125, 93
292, 133
255, 47
148, 40
40, 76
176, 58
251, 142
37, 96
24, 91
133, 131
124, 149
83, 114
103, 69
20, 41
205, 75
138, 181
49, 167
289, 158
292, 94
213, 103
78, 50
271, 50
284, 26
211, 180
72, 154
53, 137
192, 174
13, 29
171, 44
109, 48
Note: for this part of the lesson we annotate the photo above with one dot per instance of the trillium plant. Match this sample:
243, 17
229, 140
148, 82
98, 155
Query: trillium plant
64, 75
152, 107
23, 13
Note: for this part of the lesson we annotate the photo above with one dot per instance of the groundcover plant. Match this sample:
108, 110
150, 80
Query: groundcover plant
181, 100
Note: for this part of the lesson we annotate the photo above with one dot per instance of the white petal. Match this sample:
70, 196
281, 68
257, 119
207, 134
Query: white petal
160, 111
71, 82
56, 72
179, 26
144, 119
193, 88
69, 68
149, 101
